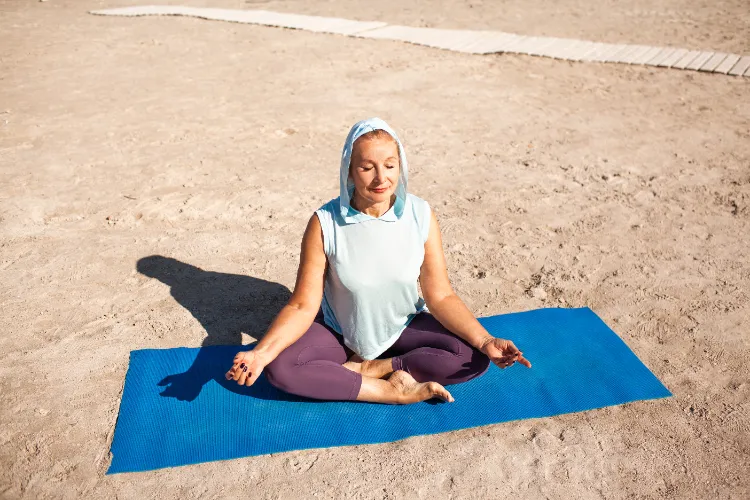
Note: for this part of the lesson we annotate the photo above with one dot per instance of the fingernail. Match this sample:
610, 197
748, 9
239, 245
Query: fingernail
244, 369
242, 365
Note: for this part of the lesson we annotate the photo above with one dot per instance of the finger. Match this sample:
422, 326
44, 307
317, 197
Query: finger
237, 373
509, 360
513, 351
229, 375
243, 376
506, 359
251, 379
525, 362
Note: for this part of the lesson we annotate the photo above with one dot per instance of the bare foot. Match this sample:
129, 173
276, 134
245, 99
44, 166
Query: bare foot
376, 368
411, 391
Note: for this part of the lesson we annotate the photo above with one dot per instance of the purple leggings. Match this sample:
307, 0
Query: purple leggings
311, 366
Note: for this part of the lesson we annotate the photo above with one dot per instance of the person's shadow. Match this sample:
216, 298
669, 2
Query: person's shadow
226, 305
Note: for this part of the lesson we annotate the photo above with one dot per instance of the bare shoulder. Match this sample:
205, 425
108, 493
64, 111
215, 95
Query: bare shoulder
314, 222
313, 237
434, 272
434, 237
308, 291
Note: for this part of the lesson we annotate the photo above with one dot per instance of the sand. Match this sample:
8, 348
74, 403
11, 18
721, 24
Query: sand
205, 147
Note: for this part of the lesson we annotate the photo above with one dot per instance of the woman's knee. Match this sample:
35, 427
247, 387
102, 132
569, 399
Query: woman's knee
469, 363
318, 343
280, 373
479, 361
430, 364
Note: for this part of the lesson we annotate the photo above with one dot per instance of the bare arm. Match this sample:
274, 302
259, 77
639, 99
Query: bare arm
297, 315
450, 310
441, 300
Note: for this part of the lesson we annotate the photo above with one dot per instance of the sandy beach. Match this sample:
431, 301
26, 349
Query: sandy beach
206, 146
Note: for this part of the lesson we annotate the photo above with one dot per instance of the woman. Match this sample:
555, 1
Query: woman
355, 327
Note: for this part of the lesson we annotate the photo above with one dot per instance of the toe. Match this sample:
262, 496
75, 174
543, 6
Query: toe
447, 396
441, 392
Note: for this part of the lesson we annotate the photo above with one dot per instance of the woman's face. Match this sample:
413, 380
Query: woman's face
375, 169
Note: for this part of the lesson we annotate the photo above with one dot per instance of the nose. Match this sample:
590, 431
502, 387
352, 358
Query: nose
379, 175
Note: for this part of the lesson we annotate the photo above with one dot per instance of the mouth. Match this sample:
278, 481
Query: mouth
380, 190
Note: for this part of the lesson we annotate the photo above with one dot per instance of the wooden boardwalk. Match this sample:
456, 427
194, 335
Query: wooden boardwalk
469, 41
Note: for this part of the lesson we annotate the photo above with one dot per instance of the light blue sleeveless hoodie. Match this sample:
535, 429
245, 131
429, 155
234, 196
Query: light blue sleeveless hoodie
370, 292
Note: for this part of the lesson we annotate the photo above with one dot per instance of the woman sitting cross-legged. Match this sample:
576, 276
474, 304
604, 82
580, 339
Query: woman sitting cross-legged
355, 327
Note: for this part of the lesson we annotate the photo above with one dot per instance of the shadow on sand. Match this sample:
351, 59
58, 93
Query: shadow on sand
226, 305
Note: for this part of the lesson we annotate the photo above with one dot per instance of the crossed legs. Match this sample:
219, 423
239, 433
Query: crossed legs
424, 359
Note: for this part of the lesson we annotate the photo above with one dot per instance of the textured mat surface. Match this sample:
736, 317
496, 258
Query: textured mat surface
178, 409
469, 41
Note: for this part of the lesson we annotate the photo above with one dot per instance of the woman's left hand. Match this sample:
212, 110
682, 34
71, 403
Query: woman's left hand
503, 353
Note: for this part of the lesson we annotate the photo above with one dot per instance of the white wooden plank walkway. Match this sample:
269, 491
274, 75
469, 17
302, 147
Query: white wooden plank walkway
467, 41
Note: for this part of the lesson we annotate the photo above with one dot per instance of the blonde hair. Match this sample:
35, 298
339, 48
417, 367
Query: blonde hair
376, 134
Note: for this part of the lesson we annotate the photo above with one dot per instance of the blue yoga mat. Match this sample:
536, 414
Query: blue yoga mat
178, 409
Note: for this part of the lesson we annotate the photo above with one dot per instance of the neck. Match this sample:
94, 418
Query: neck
372, 209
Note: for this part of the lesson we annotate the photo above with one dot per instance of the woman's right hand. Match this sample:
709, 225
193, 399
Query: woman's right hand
246, 368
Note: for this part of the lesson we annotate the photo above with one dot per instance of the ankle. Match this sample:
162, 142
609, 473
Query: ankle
377, 368
353, 366
380, 391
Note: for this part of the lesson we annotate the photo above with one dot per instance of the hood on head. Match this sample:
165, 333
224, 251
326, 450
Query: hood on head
346, 185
